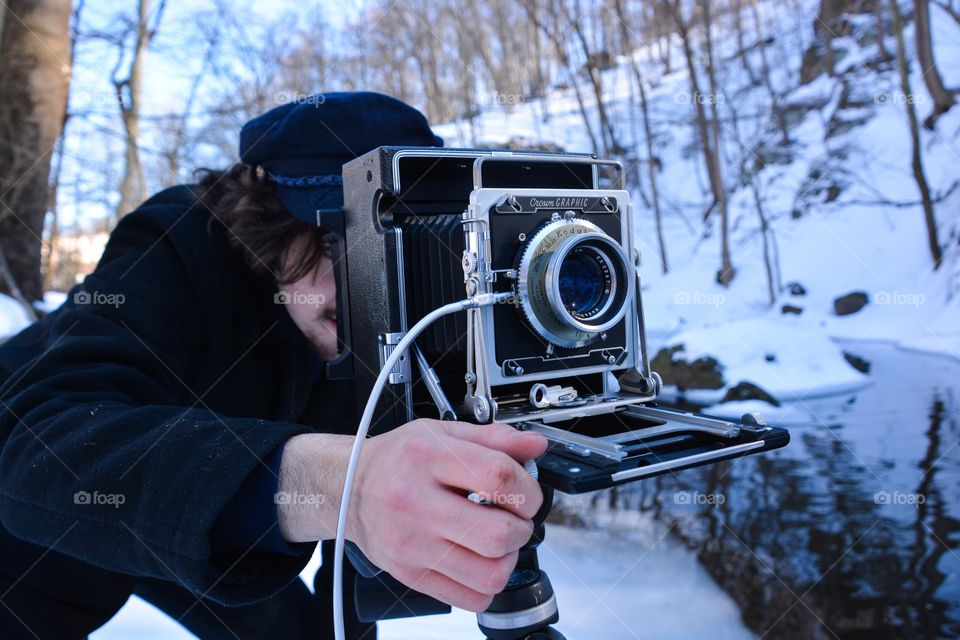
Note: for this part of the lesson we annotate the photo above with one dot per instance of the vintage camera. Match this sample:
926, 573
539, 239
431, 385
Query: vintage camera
566, 355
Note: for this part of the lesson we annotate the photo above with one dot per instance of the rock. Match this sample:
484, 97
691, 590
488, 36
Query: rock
858, 363
850, 303
789, 308
702, 373
796, 289
744, 390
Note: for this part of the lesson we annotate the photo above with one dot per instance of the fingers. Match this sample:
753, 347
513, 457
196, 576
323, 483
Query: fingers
519, 445
491, 533
491, 473
439, 586
482, 575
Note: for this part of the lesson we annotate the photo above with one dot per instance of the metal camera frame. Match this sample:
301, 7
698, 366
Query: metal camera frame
479, 276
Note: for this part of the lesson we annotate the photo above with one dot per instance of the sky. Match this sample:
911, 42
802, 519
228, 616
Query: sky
175, 57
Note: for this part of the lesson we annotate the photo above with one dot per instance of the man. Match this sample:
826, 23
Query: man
161, 431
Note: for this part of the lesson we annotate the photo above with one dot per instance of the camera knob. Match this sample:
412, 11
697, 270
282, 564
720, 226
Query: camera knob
469, 262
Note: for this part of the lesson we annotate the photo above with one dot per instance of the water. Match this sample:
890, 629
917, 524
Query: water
850, 532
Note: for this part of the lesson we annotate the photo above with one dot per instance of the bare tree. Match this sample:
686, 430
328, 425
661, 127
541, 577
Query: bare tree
917, 161
709, 141
50, 263
34, 76
775, 106
942, 99
129, 89
555, 33
652, 162
610, 144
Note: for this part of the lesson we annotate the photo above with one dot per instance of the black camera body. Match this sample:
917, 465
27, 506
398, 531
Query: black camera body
565, 355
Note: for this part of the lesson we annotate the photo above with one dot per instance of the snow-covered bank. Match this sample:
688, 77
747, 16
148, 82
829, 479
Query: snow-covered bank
787, 360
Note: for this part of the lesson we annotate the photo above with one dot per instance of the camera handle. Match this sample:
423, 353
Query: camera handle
527, 607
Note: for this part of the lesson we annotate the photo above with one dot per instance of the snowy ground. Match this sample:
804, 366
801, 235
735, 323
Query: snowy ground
629, 580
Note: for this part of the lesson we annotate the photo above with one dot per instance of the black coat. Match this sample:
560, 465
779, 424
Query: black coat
165, 378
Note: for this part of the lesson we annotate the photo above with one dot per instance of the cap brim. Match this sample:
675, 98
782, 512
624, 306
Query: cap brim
313, 205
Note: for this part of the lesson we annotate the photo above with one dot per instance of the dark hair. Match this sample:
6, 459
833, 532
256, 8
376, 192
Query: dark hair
257, 223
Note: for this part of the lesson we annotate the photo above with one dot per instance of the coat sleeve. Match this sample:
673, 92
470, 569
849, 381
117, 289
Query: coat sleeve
108, 456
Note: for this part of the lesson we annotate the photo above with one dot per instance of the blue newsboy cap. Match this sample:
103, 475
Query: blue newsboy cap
303, 144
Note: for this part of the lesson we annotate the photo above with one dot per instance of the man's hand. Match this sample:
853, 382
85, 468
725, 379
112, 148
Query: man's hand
409, 513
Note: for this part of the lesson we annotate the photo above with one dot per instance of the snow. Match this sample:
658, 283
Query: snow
13, 317
51, 301
629, 579
872, 238
787, 360
617, 583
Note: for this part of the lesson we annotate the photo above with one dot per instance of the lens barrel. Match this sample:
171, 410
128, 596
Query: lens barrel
573, 282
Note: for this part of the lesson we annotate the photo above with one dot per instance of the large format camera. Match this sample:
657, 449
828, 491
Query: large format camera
563, 353
565, 356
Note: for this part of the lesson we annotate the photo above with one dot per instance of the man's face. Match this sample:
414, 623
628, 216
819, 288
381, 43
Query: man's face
311, 302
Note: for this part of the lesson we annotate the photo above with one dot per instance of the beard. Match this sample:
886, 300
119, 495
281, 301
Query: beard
323, 337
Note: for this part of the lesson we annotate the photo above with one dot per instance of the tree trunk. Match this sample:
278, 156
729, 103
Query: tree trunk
652, 162
917, 160
726, 272
610, 144
827, 19
711, 154
942, 99
779, 116
133, 187
51, 263
34, 76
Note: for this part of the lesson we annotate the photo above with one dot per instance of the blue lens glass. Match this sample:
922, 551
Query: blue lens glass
582, 282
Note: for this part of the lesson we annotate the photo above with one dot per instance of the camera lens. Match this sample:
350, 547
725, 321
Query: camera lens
574, 282
584, 282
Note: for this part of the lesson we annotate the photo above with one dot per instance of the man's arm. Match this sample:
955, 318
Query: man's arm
409, 514
108, 456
